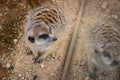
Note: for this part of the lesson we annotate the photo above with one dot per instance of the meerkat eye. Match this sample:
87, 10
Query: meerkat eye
31, 39
44, 36
106, 54
103, 53
96, 51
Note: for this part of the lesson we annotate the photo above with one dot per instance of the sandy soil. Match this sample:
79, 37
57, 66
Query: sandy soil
16, 64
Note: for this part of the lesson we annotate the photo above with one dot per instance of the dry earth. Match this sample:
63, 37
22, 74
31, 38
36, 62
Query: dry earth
16, 64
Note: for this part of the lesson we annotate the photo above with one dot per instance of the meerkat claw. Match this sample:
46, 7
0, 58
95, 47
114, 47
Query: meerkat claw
92, 76
36, 60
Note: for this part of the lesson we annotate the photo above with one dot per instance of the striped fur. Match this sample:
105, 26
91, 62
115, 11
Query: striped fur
106, 42
48, 13
43, 25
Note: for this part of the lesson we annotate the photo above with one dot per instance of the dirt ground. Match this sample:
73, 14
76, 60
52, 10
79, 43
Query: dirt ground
16, 64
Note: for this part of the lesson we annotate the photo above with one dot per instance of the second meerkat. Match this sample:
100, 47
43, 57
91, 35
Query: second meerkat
105, 37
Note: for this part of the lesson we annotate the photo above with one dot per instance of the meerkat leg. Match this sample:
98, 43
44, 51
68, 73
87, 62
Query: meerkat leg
44, 56
36, 57
92, 75
39, 59
92, 71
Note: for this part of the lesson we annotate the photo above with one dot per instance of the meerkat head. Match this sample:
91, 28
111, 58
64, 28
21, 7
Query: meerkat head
40, 34
109, 54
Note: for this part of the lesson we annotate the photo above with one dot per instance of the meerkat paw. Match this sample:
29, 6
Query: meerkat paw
92, 75
28, 52
36, 60
41, 59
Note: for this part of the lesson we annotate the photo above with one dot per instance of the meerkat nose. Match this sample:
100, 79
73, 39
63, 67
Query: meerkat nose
114, 63
54, 39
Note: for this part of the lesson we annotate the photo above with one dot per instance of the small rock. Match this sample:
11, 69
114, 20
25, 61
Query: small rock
4, 78
76, 62
53, 62
42, 66
114, 16
23, 78
9, 66
19, 59
53, 0
60, 58
20, 34
19, 75
82, 30
87, 78
51, 73
104, 5
15, 41
53, 55
1, 14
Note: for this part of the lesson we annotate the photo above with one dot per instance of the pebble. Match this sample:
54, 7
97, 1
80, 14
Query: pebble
114, 16
82, 30
42, 66
76, 62
53, 55
20, 34
1, 14
104, 5
87, 78
60, 58
15, 40
23, 78
0, 27
51, 74
19, 75
19, 59
9, 66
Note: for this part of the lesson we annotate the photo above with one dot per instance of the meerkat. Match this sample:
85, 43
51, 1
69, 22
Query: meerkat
43, 25
105, 37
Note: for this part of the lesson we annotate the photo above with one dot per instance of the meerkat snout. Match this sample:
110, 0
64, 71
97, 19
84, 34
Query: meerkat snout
114, 63
40, 34
53, 38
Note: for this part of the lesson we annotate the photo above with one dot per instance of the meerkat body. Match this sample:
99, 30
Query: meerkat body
43, 24
105, 38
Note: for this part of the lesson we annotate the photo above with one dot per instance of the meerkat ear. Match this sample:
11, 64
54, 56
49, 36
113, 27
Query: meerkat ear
31, 39
97, 51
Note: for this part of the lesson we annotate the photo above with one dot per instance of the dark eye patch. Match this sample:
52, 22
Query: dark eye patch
96, 51
44, 36
114, 63
106, 54
31, 39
